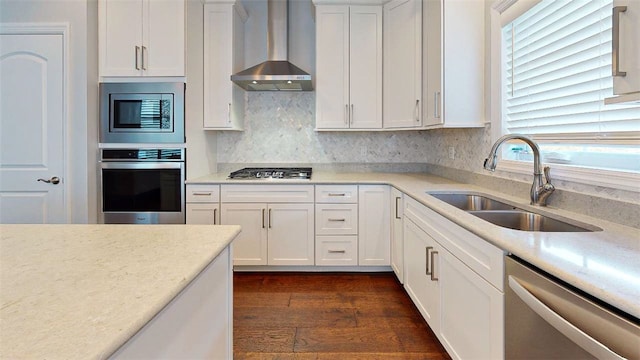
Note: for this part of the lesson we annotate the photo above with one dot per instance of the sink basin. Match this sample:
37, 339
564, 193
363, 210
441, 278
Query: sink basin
527, 221
471, 202
508, 216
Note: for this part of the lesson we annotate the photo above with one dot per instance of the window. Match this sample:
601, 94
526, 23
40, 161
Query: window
556, 73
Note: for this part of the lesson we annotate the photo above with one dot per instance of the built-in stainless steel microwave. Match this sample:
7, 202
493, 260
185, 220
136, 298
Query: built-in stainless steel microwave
142, 112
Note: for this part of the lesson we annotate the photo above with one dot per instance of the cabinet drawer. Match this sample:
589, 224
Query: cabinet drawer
203, 193
337, 194
482, 257
267, 193
337, 250
336, 219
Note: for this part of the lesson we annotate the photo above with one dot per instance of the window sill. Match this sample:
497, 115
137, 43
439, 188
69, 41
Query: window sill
595, 177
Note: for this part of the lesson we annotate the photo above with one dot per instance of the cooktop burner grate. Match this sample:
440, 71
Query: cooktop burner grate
271, 173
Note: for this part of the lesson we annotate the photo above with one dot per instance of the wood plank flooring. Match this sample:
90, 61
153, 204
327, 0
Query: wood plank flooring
328, 316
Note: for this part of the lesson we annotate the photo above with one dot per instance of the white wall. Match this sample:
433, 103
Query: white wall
82, 129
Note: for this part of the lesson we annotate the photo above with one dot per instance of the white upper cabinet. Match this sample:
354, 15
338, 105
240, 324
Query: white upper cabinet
626, 50
141, 37
223, 56
402, 69
453, 62
348, 67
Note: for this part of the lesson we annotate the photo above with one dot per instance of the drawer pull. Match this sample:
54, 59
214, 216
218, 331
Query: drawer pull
342, 220
215, 215
202, 193
335, 194
433, 265
426, 257
337, 251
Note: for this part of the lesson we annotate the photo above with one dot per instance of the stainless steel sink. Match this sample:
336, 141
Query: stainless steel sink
471, 202
509, 216
528, 221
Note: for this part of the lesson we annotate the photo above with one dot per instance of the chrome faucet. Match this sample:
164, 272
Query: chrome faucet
540, 190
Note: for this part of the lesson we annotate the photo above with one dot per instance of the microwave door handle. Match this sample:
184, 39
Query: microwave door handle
579, 337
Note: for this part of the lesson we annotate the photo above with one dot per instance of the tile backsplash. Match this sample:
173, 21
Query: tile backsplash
279, 129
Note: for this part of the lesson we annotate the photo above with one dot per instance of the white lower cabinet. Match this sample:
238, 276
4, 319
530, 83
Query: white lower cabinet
464, 309
202, 204
277, 232
337, 225
424, 292
374, 229
397, 253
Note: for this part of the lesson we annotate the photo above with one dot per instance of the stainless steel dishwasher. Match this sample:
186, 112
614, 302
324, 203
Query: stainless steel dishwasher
547, 319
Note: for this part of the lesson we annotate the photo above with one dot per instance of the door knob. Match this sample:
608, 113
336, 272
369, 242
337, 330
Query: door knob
54, 180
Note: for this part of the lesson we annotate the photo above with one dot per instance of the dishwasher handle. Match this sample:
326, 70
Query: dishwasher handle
579, 337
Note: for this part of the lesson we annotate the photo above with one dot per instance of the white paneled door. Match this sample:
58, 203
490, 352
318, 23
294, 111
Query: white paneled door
32, 128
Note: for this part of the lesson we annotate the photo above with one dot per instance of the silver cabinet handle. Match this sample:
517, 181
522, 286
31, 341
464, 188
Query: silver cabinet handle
436, 105
579, 337
269, 222
397, 216
426, 256
433, 265
351, 115
263, 210
336, 194
54, 180
144, 66
215, 215
137, 57
346, 114
201, 193
229, 114
417, 110
615, 43
338, 220
337, 251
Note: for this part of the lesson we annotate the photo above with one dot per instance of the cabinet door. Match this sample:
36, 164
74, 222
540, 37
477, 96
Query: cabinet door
402, 64
223, 56
432, 60
250, 246
164, 38
332, 67
424, 292
454, 61
374, 231
365, 76
203, 213
397, 253
120, 37
629, 48
471, 311
291, 234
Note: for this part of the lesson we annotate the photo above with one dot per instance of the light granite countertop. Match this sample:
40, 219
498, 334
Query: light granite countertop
604, 263
81, 291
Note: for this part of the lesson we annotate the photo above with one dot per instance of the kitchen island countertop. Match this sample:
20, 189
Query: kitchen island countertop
81, 291
603, 264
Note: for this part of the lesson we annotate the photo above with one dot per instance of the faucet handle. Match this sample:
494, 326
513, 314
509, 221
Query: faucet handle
546, 171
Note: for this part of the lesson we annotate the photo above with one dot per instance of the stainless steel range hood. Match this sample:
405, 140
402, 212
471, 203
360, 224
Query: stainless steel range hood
277, 73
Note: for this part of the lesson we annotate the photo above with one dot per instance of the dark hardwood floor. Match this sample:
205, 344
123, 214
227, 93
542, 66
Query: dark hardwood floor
328, 316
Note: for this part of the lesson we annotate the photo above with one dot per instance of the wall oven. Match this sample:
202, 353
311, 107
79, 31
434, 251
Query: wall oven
142, 186
142, 112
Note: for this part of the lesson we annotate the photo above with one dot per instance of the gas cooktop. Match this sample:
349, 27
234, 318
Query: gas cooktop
271, 173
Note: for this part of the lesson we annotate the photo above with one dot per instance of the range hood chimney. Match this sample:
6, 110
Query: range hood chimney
277, 73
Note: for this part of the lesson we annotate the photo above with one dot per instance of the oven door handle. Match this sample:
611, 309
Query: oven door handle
141, 165
579, 337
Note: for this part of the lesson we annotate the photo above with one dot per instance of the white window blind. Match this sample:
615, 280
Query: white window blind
557, 72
